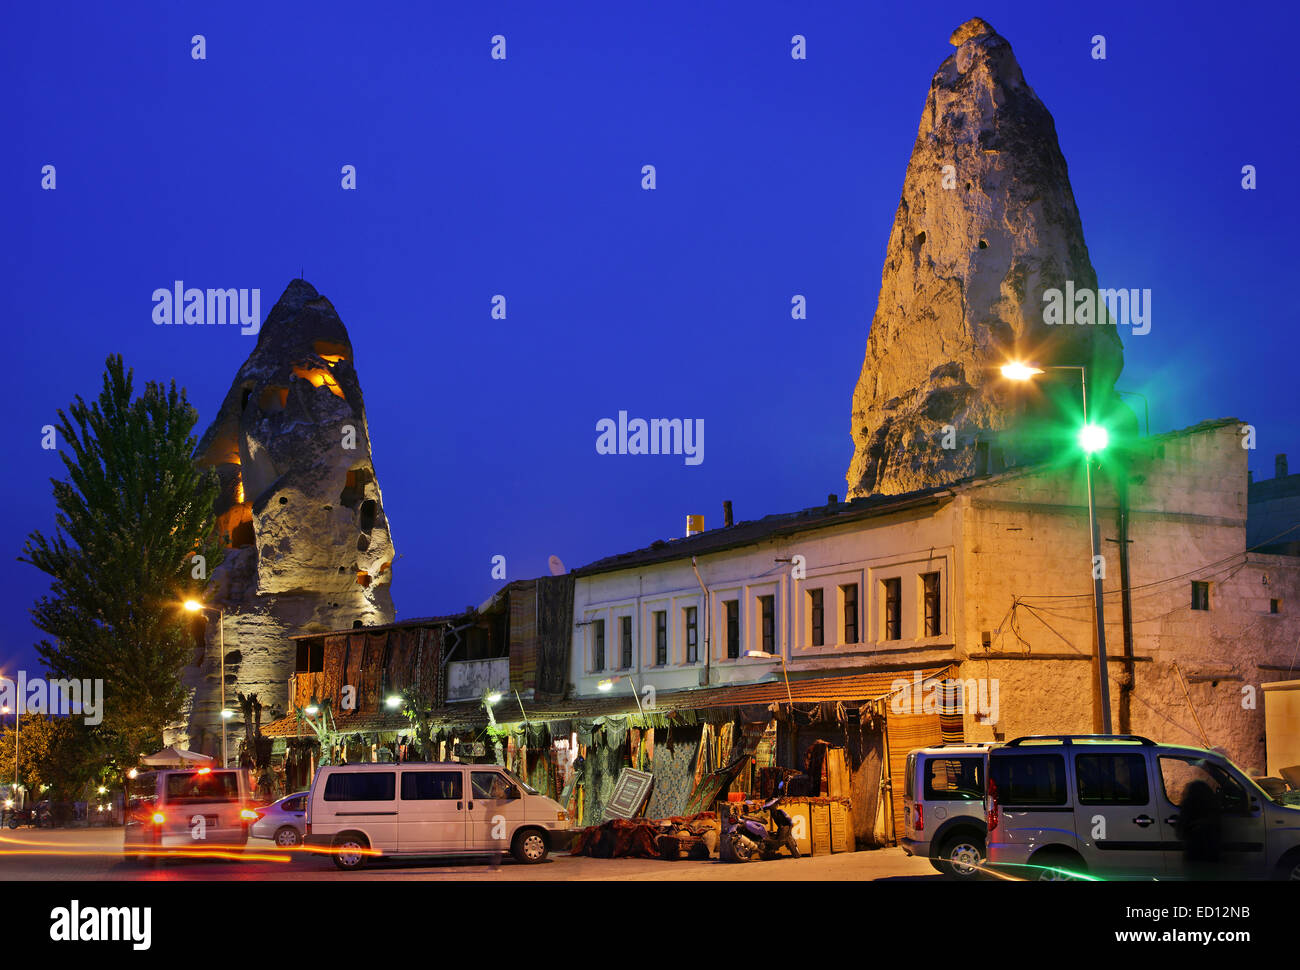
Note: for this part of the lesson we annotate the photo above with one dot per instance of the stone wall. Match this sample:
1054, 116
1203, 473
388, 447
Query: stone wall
1027, 559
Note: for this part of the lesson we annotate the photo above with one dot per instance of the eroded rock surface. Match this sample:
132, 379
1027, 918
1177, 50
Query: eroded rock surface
300, 501
972, 250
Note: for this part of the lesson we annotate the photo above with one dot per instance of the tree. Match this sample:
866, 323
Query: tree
255, 749
417, 705
131, 517
58, 752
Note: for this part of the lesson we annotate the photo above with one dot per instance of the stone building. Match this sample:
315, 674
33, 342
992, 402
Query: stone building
300, 505
989, 579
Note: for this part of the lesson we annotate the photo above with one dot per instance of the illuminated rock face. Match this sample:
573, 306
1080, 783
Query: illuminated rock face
973, 248
311, 549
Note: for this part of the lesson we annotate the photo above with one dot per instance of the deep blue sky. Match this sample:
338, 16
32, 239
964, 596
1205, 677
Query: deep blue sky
522, 177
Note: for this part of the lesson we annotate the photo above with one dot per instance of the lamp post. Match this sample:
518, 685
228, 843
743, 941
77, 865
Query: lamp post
608, 684
194, 606
5, 710
764, 655
1092, 438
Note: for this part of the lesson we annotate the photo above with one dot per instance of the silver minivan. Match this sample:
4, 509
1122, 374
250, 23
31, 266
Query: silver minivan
442, 809
1111, 806
943, 805
204, 811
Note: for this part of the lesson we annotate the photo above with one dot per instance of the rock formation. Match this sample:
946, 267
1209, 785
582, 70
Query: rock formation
309, 542
973, 249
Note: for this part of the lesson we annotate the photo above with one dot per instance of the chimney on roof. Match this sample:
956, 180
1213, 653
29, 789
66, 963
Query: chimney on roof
694, 524
1250, 477
832, 499
726, 514
1279, 466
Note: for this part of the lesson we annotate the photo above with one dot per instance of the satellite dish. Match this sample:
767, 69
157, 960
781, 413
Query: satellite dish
557, 567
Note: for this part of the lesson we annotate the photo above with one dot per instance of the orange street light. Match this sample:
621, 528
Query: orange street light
194, 606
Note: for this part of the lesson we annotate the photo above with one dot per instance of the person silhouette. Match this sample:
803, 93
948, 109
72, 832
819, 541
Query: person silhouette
1200, 829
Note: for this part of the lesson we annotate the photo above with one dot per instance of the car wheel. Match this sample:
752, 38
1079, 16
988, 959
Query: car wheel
962, 856
1056, 867
13, 823
1288, 870
349, 852
286, 836
529, 847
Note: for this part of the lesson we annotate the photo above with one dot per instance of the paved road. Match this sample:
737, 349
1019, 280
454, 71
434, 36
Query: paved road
96, 855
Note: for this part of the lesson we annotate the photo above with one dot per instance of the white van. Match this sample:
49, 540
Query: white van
194, 808
441, 809
1079, 806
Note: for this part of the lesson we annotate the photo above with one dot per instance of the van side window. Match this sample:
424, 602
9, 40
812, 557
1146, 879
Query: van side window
489, 784
1112, 779
360, 786
954, 779
1034, 779
431, 786
1176, 773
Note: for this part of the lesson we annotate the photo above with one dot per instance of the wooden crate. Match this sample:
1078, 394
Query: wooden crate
820, 829
838, 778
841, 828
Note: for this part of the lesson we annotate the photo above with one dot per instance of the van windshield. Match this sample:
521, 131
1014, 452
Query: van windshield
521, 783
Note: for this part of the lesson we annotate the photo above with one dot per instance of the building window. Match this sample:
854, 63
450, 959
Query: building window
767, 622
661, 638
598, 659
849, 597
733, 628
1200, 595
626, 623
815, 613
930, 602
690, 617
1275, 606
893, 608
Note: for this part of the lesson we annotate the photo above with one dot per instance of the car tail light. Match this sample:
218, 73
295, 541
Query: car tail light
159, 818
918, 817
561, 816
991, 816
309, 828
248, 815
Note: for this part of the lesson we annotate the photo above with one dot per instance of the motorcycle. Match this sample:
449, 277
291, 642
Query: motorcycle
35, 817
746, 836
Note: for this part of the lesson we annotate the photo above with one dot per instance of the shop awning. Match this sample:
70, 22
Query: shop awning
849, 688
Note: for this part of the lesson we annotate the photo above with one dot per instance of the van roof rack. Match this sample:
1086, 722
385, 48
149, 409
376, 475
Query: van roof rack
1069, 739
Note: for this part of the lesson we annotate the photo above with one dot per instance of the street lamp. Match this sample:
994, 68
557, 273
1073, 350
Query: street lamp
194, 606
764, 655
1092, 439
608, 683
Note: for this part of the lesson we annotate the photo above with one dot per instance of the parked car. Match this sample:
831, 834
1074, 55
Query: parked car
447, 809
192, 808
943, 801
283, 822
1070, 806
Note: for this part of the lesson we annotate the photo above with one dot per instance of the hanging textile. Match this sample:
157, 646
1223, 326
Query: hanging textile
674, 774
765, 748
704, 761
